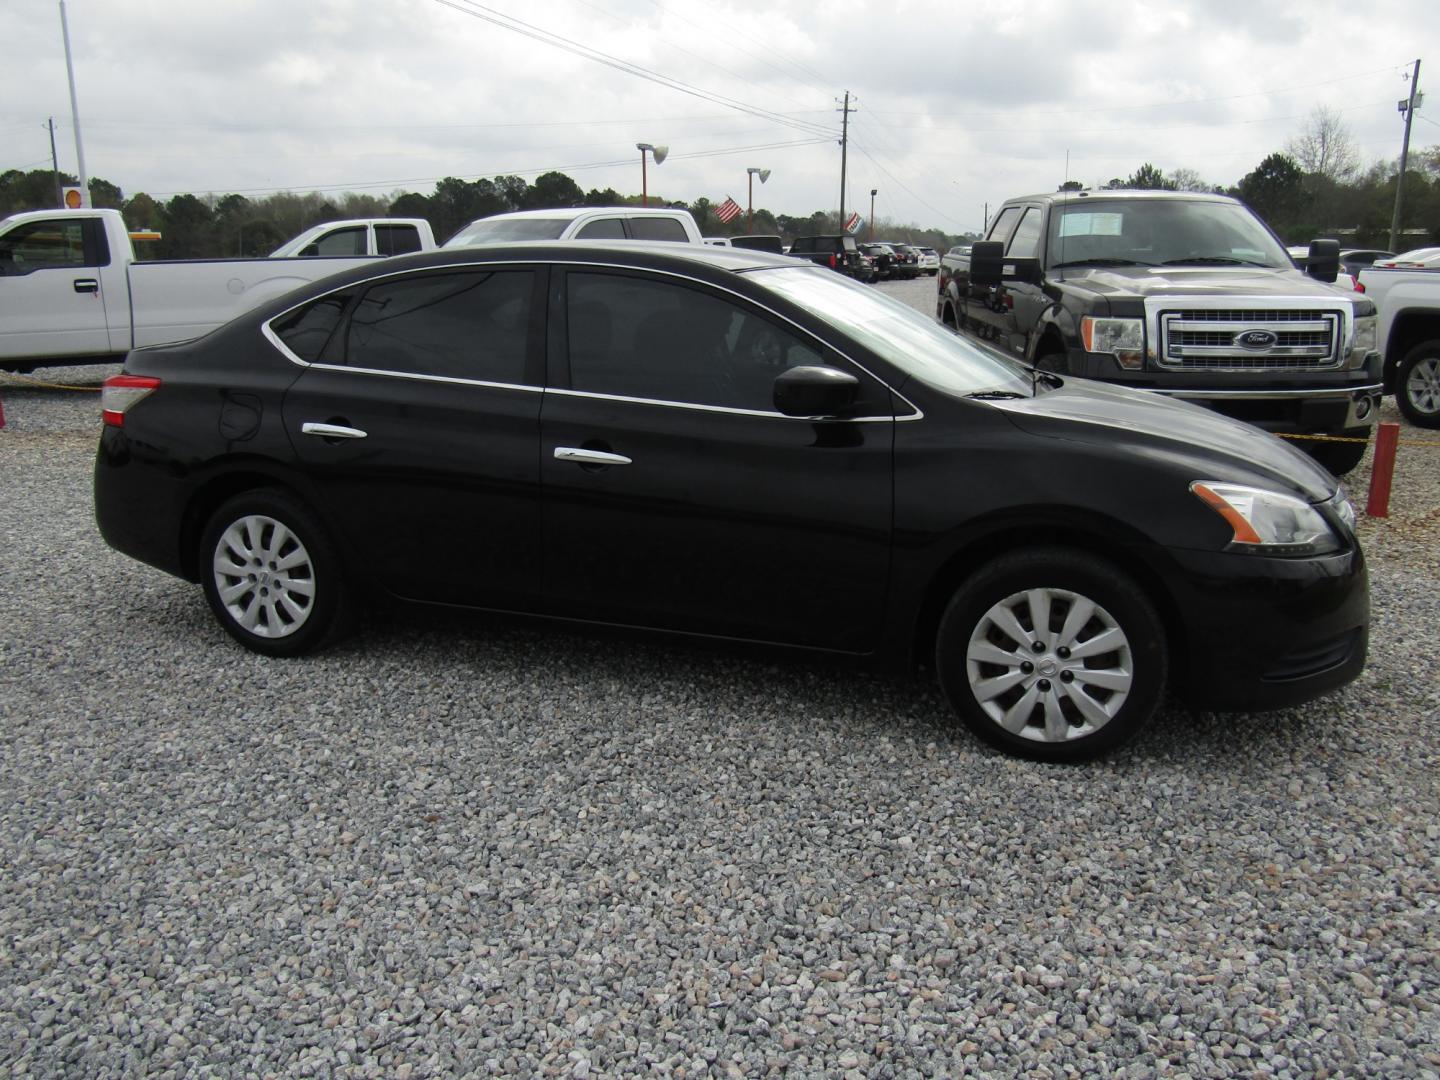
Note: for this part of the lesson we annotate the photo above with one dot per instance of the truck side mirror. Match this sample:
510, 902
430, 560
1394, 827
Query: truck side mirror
986, 258
1323, 261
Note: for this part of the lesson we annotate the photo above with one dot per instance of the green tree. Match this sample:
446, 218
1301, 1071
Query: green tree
553, 189
1149, 178
1274, 189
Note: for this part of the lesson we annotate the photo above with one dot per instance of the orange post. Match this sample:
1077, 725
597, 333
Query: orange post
1382, 471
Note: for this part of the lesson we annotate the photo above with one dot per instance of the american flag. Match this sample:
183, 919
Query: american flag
852, 223
727, 210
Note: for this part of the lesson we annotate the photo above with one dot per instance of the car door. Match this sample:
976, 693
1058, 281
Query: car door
1023, 301
677, 497
55, 279
416, 417
985, 313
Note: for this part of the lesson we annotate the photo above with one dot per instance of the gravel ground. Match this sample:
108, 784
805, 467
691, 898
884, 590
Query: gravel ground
474, 847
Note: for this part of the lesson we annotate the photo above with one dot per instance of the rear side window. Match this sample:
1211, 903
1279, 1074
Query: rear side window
306, 331
396, 239
609, 228
471, 325
658, 228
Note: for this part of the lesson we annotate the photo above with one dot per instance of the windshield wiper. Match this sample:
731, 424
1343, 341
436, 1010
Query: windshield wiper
1216, 260
994, 395
1099, 262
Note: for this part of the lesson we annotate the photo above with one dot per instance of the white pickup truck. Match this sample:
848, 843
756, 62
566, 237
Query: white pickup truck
360, 236
1408, 332
71, 291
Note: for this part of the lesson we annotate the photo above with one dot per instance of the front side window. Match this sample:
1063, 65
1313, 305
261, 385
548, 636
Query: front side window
1003, 224
610, 228
658, 228
42, 244
640, 338
1026, 240
469, 325
339, 243
396, 239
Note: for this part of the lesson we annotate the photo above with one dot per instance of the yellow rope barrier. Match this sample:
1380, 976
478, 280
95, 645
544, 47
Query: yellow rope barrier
26, 380
1346, 438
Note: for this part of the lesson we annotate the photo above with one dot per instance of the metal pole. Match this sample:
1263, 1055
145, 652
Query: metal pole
74, 110
1404, 159
872, 212
844, 147
750, 213
644, 186
55, 165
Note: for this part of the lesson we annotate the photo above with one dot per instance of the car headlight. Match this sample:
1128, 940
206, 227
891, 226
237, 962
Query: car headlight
1267, 522
1123, 339
1365, 339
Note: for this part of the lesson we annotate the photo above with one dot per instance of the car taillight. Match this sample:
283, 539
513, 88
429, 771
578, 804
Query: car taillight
832, 261
120, 393
1359, 285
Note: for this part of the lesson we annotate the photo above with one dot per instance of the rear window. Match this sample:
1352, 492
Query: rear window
658, 228
396, 239
502, 230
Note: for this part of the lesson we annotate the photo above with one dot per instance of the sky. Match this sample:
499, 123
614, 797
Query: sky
957, 105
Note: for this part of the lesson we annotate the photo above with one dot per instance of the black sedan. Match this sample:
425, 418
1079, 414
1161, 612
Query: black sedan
724, 443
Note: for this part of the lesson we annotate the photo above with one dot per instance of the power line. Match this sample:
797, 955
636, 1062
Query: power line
476, 10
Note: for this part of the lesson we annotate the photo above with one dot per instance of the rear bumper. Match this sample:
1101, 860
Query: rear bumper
1268, 633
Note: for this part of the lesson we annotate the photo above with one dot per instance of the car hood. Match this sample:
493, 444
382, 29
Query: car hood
1250, 281
1208, 444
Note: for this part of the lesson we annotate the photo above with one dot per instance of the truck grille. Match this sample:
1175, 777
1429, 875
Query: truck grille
1282, 340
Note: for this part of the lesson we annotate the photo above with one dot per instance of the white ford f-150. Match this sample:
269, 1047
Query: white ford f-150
72, 292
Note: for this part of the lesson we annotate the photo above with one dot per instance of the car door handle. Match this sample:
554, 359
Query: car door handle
331, 431
589, 457
87, 285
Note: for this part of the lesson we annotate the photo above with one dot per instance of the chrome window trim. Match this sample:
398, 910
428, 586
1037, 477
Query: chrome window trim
268, 331
730, 410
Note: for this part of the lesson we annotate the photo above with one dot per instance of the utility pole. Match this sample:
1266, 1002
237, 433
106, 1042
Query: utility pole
74, 110
844, 147
55, 164
1408, 108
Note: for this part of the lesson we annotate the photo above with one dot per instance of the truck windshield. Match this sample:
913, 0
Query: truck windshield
1159, 232
900, 335
504, 230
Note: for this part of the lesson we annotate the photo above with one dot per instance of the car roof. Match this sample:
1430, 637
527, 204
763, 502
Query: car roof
1125, 193
565, 213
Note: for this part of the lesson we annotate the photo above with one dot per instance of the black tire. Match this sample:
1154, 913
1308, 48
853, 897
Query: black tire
1417, 384
1056, 363
284, 592
1106, 697
1340, 458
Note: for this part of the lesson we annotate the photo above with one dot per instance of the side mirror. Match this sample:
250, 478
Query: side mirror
815, 391
1323, 261
985, 260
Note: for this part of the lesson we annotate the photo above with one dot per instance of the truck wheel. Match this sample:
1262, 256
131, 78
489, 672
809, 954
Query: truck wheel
1340, 458
1052, 654
1417, 384
1054, 362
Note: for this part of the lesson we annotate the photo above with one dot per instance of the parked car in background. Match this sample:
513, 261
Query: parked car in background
907, 260
1180, 294
1408, 302
885, 260
1425, 258
759, 242
1343, 278
360, 236
581, 223
929, 261
840, 253
724, 443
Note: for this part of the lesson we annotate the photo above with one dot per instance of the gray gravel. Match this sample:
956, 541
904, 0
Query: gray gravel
457, 846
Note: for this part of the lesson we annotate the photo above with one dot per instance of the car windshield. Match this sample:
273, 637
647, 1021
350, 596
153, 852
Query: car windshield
501, 230
897, 333
1159, 232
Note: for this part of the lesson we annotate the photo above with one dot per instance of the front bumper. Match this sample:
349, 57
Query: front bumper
1263, 633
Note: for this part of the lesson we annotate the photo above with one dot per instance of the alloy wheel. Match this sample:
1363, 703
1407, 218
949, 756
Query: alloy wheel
264, 577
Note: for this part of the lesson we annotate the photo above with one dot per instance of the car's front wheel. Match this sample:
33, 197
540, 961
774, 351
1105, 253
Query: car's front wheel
1417, 384
271, 574
1052, 654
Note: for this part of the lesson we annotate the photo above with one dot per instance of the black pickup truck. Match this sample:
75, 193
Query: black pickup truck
1187, 295
840, 253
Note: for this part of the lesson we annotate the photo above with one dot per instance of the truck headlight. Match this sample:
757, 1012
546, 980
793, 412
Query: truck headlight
1365, 339
1267, 522
1123, 339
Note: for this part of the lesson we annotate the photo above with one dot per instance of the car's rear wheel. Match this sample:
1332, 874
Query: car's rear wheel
1417, 384
271, 574
1053, 654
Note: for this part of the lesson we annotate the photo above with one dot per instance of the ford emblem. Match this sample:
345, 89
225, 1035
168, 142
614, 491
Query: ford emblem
1256, 339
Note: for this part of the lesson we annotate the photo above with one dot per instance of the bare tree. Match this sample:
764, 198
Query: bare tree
1190, 180
1324, 148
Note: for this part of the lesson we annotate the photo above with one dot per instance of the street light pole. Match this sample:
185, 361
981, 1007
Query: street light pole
1407, 106
74, 110
659, 153
764, 175
872, 212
